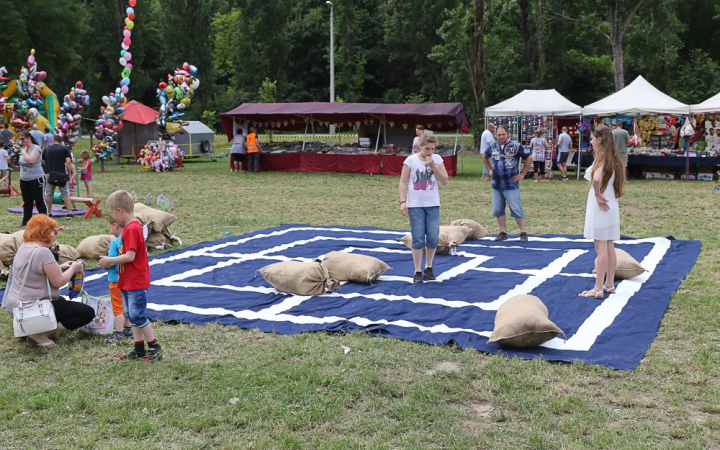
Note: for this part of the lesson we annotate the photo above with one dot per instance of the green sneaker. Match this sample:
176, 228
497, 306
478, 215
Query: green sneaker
132, 355
153, 354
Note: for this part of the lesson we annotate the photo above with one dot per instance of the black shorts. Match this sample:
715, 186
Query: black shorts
539, 167
562, 157
237, 157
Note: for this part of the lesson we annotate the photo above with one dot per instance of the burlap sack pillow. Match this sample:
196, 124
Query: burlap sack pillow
522, 321
299, 277
159, 219
64, 253
161, 240
627, 267
478, 231
448, 239
9, 244
351, 267
93, 247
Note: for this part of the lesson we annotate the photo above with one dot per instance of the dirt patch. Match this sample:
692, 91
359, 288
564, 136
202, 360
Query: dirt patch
444, 366
482, 409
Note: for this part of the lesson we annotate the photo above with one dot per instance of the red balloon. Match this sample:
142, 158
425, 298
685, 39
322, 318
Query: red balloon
133, 3
127, 41
119, 126
162, 85
131, 16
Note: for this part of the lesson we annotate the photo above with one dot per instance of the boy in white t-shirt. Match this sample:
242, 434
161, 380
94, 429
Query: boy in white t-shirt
4, 159
711, 141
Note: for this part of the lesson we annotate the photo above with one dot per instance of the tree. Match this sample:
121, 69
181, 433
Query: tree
698, 79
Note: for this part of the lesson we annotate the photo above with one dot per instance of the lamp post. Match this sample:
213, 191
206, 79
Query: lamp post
332, 54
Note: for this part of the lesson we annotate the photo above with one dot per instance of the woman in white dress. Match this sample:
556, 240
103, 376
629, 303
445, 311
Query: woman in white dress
602, 216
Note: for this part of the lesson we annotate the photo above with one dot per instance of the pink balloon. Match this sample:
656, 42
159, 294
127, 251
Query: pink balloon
128, 56
127, 41
133, 3
124, 89
129, 66
127, 33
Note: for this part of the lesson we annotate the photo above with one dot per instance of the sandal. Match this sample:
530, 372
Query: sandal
591, 294
48, 344
609, 290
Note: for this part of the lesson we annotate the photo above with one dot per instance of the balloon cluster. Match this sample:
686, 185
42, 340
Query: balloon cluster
108, 124
161, 156
3, 86
175, 97
68, 124
23, 114
30, 82
13, 149
125, 55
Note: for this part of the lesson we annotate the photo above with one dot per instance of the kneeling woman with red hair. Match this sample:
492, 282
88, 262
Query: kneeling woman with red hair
44, 273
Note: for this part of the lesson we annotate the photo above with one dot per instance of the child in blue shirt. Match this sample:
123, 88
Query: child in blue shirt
123, 329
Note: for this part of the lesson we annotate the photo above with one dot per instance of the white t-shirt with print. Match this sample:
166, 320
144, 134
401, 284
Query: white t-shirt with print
423, 185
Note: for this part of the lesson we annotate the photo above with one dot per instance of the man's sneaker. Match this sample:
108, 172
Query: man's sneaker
417, 278
70, 217
563, 178
429, 275
502, 236
153, 354
132, 355
523, 237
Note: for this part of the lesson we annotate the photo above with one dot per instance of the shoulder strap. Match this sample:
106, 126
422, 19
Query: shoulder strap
27, 270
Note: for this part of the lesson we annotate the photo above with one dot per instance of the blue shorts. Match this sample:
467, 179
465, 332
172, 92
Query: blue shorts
134, 303
4, 171
512, 198
424, 224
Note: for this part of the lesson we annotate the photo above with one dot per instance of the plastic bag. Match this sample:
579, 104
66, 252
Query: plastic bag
104, 322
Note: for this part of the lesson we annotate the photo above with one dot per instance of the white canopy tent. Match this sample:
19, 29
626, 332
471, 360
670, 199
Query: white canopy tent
534, 103
710, 105
638, 97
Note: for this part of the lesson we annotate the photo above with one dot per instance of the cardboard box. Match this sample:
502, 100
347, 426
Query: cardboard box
668, 176
652, 175
705, 176
692, 176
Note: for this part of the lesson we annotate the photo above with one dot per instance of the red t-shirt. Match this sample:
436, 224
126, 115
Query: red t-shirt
135, 275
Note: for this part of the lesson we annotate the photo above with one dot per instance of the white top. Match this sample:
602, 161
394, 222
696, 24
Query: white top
486, 139
602, 225
423, 186
3, 159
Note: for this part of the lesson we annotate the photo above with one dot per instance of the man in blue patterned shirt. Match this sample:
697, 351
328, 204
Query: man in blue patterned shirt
502, 159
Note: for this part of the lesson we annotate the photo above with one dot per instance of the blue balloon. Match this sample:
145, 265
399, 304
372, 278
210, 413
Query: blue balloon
129, 10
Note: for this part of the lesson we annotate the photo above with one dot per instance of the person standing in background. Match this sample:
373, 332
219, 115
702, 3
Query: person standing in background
238, 151
419, 131
48, 136
539, 146
39, 137
6, 135
486, 139
621, 138
253, 151
563, 149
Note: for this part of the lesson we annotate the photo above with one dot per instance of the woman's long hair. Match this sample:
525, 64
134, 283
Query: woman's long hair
608, 157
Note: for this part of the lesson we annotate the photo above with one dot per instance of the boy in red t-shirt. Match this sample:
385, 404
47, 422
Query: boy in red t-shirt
134, 278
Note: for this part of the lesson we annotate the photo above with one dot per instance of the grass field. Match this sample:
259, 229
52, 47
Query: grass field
222, 387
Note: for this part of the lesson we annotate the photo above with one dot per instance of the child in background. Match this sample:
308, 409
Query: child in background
4, 159
122, 324
72, 182
134, 279
86, 172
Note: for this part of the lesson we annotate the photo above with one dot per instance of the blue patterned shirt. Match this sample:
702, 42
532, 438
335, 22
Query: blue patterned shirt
504, 160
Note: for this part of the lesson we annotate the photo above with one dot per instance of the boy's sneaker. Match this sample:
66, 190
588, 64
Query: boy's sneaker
429, 275
417, 278
153, 354
127, 332
502, 236
115, 338
523, 237
132, 355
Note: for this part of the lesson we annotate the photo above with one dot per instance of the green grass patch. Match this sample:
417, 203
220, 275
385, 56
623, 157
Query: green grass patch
223, 387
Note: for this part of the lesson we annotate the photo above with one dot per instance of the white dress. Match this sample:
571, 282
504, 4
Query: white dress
602, 225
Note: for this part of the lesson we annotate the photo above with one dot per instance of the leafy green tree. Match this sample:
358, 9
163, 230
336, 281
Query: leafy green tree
698, 79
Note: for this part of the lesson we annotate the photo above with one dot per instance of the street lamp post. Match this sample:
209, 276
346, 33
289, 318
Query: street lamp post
332, 54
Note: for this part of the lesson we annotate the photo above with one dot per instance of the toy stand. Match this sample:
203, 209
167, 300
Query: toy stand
102, 166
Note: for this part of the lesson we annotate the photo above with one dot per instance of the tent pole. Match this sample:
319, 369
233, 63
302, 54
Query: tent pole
377, 141
580, 138
313, 129
305, 136
385, 134
687, 155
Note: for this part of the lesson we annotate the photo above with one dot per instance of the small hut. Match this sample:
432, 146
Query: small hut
139, 128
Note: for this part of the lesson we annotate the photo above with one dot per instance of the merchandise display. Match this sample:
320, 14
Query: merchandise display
160, 156
348, 149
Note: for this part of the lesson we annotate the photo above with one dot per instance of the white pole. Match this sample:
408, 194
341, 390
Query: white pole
305, 136
377, 141
332, 57
457, 130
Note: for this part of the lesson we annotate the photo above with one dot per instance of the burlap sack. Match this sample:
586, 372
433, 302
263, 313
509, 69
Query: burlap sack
522, 321
93, 247
478, 231
161, 240
64, 253
448, 239
627, 267
299, 278
9, 244
159, 219
352, 267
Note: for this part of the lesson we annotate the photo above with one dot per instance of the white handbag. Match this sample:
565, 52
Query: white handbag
33, 316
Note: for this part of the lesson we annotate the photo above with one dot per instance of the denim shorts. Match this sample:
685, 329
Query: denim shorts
134, 303
512, 198
424, 224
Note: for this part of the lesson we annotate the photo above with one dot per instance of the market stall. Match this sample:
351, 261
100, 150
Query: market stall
532, 109
657, 118
386, 130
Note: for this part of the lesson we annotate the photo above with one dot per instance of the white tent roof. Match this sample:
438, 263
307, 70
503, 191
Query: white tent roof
638, 97
530, 102
710, 105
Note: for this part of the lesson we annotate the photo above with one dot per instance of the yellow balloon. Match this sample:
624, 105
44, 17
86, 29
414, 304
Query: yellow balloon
185, 101
130, 24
